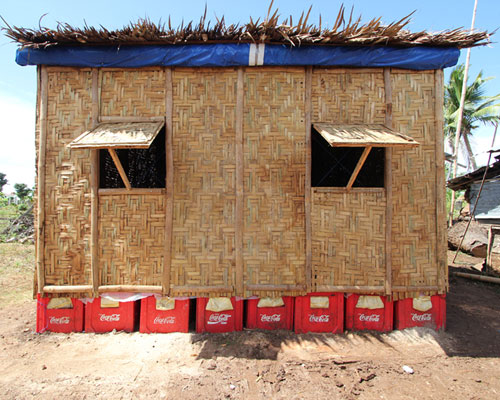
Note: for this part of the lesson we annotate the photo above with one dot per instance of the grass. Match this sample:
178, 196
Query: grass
17, 266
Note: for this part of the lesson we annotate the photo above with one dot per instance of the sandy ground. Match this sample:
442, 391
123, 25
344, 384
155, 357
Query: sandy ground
462, 362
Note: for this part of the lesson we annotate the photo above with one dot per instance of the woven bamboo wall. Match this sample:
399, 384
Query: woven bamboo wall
349, 238
131, 239
67, 200
347, 229
274, 174
204, 134
132, 92
414, 181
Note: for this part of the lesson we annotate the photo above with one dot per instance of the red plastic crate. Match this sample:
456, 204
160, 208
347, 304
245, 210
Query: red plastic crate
122, 318
63, 320
360, 319
163, 321
408, 317
219, 322
329, 319
270, 318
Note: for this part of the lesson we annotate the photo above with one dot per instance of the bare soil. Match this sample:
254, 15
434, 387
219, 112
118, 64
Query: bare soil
462, 362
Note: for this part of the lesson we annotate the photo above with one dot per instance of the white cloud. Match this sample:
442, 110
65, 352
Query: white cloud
481, 143
17, 146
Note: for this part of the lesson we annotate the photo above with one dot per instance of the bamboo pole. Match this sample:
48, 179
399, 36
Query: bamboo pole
68, 288
460, 115
130, 288
202, 289
239, 186
482, 278
42, 141
441, 246
307, 189
94, 188
362, 289
388, 184
359, 165
169, 195
284, 288
120, 169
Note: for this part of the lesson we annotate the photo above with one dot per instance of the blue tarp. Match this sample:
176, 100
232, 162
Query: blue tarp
237, 54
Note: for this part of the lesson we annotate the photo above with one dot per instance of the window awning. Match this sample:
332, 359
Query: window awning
372, 135
116, 135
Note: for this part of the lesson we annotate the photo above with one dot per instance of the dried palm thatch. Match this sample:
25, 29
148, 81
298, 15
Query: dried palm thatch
350, 32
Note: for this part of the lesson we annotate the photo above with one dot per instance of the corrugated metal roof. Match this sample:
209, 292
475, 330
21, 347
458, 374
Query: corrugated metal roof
128, 135
362, 135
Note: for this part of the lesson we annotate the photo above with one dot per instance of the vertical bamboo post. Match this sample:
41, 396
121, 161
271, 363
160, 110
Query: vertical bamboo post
169, 193
42, 140
441, 245
388, 184
94, 189
307, 189
239, 185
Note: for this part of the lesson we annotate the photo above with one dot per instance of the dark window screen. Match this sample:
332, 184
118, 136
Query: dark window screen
333, 166
145, 168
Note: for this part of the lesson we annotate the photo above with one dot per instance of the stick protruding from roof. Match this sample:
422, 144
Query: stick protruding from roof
345, 32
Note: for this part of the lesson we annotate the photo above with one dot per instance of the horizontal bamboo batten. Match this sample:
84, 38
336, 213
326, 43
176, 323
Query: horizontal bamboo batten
237, 215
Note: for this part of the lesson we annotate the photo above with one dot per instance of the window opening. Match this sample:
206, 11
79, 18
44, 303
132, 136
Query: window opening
339, 166
143, 168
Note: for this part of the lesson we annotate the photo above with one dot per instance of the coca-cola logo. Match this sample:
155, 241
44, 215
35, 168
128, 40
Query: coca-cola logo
59, 321
221, 319
421, 317
164, 321
270, 318
109, 318
319, 318
369, 318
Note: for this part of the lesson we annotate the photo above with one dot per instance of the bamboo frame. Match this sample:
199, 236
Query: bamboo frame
202, 289
119, 167
239, 186
307, 191
388, 184
94, 188
169, 178
441, 233
364, 289
130, 288
42, 141
129, 119
118, 191
283, 288
359, 165
67, 289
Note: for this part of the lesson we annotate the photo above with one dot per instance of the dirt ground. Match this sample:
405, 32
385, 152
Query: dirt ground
462, 362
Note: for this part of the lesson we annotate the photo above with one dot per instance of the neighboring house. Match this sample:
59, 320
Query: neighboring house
488, 207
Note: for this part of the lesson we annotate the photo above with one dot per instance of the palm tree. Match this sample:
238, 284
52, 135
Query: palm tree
478, 108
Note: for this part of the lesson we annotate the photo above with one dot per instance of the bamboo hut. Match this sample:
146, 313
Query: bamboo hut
264, 159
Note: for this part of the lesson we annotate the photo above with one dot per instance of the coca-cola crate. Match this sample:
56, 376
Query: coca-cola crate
360, 319
154, 320
270, 318
219, 321
329, 319
121, 318
63, 320
407, 316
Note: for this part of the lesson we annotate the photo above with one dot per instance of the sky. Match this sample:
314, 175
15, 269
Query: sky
18, 84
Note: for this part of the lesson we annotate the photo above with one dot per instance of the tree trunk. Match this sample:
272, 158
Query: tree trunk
472, 160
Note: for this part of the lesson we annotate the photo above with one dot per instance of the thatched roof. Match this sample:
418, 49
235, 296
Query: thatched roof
345, 31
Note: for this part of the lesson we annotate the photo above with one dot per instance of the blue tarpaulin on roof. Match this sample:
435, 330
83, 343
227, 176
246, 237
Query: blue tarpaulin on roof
239, 54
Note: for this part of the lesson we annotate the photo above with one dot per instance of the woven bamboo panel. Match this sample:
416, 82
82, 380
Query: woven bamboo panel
133, 92
274, 174
131, 239
348, 238
414, 182
67, 200
348, 96
204, 104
